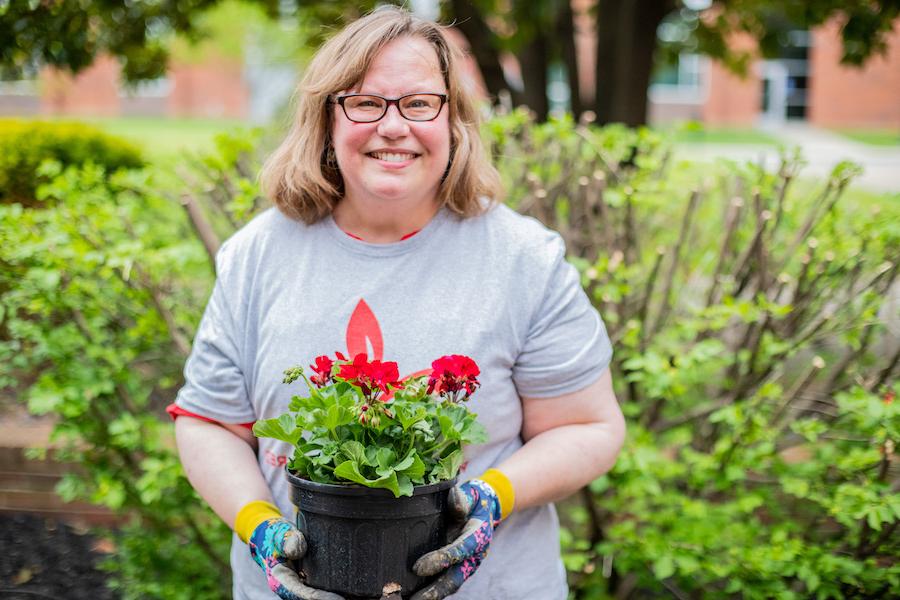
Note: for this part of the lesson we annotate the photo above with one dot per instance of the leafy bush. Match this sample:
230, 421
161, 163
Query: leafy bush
24, 145
751, 363
99, 295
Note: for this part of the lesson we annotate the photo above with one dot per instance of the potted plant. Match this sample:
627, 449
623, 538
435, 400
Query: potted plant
374, 460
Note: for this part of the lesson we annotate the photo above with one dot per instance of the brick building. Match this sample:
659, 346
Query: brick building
807, 83
215, 88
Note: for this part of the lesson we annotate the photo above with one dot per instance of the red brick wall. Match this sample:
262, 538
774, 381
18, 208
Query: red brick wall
215, 88
732, 100
93, 92
842, 96
585, 47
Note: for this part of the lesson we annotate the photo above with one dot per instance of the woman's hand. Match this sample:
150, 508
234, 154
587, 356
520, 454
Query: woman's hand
476, 505
273, 543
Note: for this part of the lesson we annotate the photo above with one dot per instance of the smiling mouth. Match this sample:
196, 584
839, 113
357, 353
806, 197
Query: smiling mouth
392, 156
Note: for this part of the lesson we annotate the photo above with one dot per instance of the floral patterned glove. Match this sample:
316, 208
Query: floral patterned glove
478, 503
273, 543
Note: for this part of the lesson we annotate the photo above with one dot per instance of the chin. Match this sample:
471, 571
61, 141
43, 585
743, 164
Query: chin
395, 192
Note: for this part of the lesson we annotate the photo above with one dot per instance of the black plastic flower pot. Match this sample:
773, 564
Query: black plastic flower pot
362, 539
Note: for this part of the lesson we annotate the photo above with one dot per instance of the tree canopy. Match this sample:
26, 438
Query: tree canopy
538, 33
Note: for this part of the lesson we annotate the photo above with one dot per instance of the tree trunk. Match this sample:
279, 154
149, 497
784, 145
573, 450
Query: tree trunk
533, 63
470, 22
626, 42
565, 37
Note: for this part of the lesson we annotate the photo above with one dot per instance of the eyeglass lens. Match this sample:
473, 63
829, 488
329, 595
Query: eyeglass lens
416, 107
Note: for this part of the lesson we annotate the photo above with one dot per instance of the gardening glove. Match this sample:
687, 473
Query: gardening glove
273, 542
482, 503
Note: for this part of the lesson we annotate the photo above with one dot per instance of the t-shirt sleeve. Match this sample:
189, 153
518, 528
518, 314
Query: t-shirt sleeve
566, 347
214, 382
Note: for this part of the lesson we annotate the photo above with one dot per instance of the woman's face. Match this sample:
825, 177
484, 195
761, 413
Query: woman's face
394, 159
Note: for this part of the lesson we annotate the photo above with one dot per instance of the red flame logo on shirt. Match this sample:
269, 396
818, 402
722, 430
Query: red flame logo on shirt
364, 333
364, 336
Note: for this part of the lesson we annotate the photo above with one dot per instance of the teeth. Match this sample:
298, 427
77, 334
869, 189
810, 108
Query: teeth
392, 156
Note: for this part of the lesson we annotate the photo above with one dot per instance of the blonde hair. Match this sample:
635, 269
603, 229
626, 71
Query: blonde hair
302, 177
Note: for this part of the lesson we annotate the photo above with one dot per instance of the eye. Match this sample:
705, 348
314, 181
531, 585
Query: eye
364, 103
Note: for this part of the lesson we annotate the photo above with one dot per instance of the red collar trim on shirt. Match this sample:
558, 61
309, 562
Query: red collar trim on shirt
405, 237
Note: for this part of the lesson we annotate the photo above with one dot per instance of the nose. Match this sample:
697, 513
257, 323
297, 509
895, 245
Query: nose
392, 124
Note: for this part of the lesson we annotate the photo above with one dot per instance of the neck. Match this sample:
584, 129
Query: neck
371, 222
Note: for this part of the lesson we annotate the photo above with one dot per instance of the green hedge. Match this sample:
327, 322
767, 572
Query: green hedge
25, 145
749, 314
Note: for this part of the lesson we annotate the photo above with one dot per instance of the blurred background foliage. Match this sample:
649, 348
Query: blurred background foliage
70, 35
752, 314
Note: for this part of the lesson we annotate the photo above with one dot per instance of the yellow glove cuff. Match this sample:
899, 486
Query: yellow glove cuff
505, 492
251, 515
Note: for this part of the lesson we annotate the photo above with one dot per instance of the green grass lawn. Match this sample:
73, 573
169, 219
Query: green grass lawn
873, 137
720, 135
694, 132
162, 138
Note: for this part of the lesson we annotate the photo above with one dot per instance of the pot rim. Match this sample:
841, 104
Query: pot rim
354, 489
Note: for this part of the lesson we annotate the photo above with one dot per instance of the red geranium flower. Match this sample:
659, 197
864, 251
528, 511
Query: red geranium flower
322, 368
453, 374
371, 377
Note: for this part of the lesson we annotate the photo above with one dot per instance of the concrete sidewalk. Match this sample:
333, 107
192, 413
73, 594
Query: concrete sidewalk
821, 149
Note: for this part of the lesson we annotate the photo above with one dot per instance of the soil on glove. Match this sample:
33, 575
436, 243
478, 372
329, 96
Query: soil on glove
44, 558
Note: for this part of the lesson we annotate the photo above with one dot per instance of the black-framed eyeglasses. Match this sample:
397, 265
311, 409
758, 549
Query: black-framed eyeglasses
368, 108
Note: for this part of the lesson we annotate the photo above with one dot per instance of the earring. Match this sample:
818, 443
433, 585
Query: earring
330, 158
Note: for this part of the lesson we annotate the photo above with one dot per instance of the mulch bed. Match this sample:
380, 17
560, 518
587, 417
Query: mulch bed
45, 558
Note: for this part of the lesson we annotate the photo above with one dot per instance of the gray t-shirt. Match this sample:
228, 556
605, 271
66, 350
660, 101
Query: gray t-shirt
494, 287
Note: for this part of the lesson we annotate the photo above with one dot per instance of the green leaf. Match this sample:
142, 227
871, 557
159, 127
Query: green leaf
873, 520
41, 401
385, 461
448, 428
408, 415
664, 567
447, 467
355, 451
415, 470
406, 462
283, 428
404, 485
336, 415
349, 470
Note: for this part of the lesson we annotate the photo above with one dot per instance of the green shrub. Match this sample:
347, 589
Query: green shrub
24, 145
100, 290
756, 374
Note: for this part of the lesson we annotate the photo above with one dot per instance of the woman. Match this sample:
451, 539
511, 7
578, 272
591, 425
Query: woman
384, 240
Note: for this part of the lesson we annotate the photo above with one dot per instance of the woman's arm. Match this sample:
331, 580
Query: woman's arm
570, 440
220, 462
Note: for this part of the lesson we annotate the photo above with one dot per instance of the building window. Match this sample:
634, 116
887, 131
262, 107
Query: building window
681, 81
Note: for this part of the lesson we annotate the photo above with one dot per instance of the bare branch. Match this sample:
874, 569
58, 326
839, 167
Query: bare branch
673, 267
